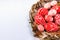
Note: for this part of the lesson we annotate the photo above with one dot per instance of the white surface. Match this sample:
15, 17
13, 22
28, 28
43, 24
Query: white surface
14, 19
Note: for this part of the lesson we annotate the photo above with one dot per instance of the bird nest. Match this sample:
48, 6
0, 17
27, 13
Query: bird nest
42, 35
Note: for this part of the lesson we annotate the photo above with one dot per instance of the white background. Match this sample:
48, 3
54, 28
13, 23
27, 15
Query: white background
14, 19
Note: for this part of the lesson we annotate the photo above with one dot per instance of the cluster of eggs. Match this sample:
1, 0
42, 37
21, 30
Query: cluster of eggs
48, 17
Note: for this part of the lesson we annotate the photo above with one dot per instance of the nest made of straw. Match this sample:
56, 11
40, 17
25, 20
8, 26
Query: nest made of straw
42, 35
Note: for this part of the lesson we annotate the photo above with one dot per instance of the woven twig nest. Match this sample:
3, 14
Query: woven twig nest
42, 35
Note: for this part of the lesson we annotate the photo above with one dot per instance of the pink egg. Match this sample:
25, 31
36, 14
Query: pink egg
47, 5
53, 3
48, 18
52, 12
40, 27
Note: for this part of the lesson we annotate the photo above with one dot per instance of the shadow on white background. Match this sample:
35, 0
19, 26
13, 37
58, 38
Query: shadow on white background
14, 16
